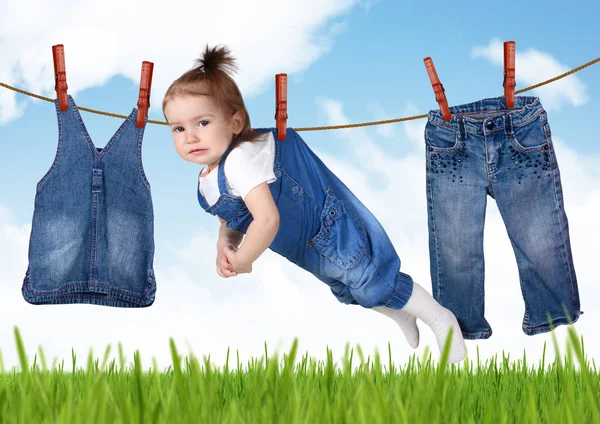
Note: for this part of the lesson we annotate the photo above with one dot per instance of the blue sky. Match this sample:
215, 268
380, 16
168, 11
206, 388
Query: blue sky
347, 62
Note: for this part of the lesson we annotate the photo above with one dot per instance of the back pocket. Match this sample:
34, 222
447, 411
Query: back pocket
342, 236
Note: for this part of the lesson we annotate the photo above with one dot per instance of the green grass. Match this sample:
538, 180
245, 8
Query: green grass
302, 390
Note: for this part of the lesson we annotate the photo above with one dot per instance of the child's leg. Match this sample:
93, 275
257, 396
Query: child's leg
441, 320
406, 321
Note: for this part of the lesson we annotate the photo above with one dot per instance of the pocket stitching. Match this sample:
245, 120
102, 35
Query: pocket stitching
441, 149
319, 240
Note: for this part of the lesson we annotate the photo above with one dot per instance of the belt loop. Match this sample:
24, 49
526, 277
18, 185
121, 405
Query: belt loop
508, 125
461, 128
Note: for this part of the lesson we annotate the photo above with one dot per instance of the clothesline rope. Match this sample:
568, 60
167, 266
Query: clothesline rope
331, 127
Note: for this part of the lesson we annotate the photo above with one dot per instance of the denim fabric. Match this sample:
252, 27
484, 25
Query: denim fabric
323, 228
487, 149
92, 235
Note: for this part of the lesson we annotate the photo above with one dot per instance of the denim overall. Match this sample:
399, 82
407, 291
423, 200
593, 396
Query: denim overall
323, 228
507, 154
92, 235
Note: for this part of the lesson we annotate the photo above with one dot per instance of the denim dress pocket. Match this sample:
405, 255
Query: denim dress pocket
342, 237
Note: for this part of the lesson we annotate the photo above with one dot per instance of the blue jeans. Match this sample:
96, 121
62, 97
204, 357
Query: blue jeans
487, 149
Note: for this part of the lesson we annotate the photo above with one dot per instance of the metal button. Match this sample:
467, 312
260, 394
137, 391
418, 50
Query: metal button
295, 189
489, 125
278, 172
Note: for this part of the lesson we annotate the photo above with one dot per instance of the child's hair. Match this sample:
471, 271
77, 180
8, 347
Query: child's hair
211, 77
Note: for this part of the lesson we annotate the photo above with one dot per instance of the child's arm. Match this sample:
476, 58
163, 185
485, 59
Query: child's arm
261, 231
228, 236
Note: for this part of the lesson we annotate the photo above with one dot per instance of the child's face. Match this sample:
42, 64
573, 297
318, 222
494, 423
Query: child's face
200, 130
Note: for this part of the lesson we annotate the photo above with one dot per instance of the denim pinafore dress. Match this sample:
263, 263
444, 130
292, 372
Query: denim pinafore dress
323, 227
92, 235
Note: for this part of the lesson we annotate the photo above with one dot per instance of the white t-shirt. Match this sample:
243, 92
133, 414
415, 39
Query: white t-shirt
247, 165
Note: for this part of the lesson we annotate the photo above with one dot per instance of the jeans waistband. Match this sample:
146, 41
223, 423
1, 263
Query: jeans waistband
490, 115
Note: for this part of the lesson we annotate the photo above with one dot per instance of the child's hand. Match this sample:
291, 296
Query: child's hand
238, 267
224, 267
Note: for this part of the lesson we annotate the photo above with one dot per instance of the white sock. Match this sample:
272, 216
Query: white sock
406, 321
423, 306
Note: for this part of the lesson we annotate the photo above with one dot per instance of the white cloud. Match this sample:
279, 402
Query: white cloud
279, 301
533, 67
103, 39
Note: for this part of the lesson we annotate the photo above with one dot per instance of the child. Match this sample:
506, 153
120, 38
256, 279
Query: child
283, 197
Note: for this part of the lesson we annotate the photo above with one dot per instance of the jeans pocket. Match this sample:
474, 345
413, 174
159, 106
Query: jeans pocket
441, 139
342, 237
533, 136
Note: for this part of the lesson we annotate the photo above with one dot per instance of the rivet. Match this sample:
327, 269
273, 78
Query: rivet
545, 147
332, 212
431, 149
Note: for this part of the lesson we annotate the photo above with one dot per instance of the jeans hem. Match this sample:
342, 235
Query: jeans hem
545, 328
477, 336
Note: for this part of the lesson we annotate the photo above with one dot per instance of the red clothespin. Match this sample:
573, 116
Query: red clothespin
509, 83
281, 115
144, 97
438, 89
60, 75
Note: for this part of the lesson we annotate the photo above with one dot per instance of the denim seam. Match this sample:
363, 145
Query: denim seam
497, 129
437, 253
122, 297
74, 284
523, 149
94, 250
139, 155
562, 231
304, 192
478, 335
457, 140
58, 153
545, 328
321, 237
531, 118
97, 155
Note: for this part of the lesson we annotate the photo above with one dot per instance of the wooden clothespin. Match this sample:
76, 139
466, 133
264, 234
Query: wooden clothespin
144, 97
281, 115
60, 76
438, 89
509, 83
